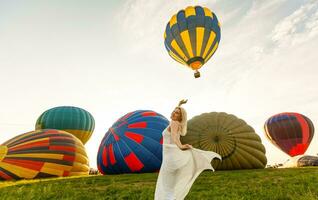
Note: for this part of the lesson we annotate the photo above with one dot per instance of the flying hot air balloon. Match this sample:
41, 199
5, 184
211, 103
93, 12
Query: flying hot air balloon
290, 132
229, 136
74, 120
42, 153
133, 144
192, 36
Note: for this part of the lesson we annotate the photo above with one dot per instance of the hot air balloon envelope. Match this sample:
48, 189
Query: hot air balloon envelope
76, 121
42, 153
192, 36
133, 144
290, 132
229, 136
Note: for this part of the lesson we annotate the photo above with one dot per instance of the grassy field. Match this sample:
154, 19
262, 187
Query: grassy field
301, 183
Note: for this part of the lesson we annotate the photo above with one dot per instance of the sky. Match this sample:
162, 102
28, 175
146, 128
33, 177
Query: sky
108, 57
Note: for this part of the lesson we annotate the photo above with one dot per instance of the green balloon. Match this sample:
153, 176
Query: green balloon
229, 136
74, 120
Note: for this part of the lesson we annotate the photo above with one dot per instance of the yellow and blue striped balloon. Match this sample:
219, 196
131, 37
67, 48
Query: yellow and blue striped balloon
192, 36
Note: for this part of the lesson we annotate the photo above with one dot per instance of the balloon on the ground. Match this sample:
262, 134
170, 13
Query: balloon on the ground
74, 120
301, 161
133, 144
290, 132
192, 36
42, 153
229, 136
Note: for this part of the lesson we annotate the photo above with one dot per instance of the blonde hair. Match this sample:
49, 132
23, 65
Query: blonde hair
184, 121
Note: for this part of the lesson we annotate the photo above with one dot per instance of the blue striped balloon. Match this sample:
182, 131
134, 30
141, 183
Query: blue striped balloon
133, 144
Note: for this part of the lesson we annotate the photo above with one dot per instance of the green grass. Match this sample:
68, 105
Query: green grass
300, 183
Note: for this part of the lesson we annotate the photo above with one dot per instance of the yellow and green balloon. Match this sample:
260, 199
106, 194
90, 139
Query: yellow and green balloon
229, 136
74, 120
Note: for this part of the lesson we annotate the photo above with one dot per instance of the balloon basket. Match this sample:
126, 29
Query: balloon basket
197, 74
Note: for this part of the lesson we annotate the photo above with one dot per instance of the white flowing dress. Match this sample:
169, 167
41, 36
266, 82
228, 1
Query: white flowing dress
180, 168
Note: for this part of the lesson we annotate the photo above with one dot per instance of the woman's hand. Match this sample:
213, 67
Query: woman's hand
186, 146
183, 101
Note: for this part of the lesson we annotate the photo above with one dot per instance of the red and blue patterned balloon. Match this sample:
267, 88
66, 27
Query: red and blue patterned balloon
291, 132
133, 144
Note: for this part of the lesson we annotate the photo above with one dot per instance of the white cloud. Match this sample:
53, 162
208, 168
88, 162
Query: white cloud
298, 27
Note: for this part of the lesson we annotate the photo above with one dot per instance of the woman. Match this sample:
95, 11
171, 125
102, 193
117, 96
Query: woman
181, 163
